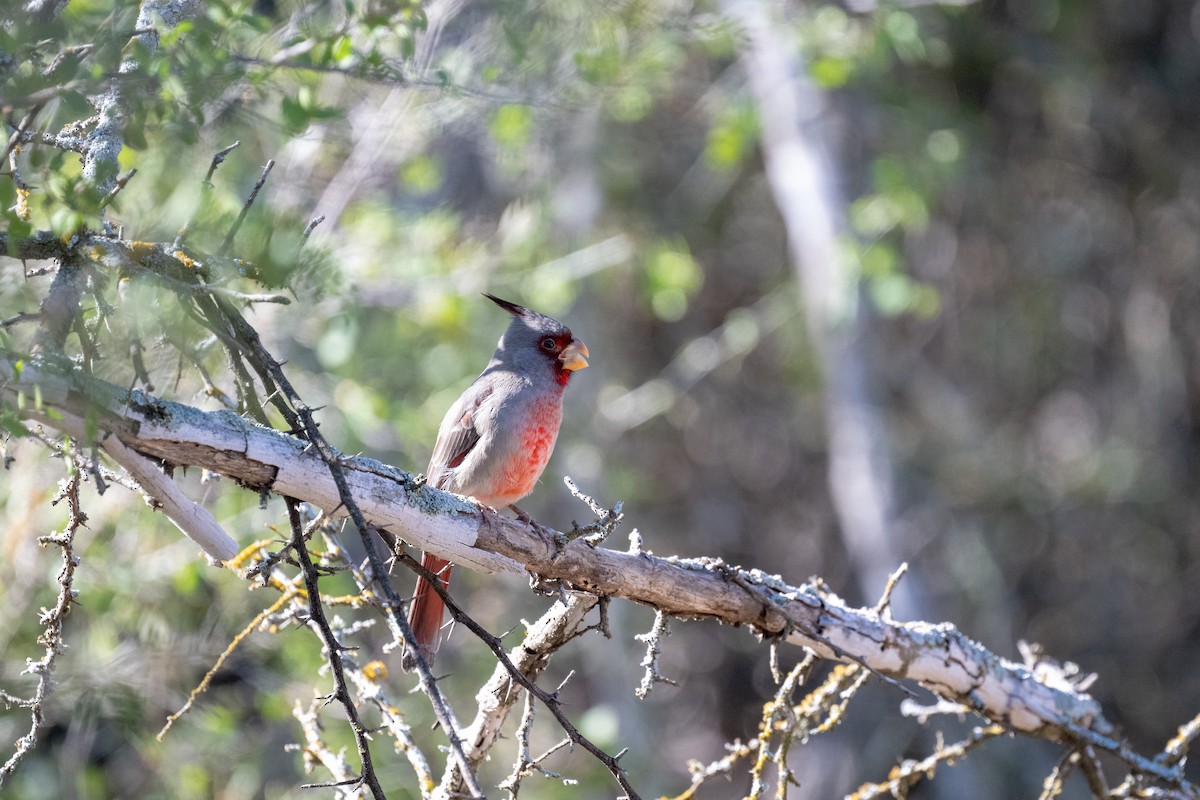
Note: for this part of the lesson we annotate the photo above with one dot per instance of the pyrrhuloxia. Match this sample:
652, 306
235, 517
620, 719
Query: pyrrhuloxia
497, 437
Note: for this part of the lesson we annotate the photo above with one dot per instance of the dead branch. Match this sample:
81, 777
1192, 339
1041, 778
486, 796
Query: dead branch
52, 622
938, 657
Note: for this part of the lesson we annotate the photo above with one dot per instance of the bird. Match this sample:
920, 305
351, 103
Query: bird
496, 439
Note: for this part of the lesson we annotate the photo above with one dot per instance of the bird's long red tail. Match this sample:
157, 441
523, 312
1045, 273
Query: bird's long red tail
425, 613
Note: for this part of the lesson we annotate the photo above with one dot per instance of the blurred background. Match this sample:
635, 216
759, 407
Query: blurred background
1022, 227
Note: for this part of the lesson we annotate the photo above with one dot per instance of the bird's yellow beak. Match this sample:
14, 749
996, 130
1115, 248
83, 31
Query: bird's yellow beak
574, 356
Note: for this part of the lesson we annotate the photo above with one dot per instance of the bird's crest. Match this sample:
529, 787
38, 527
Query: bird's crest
512, 308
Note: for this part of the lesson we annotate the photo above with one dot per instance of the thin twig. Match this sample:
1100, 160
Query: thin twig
183, 287
653, 640
367, 679
22, 126
1164, 772
237, 223
205, 189
883, 607
52, 620
311, 226
17, 319
333, 648
912, 772
218, 159
1177, 749
206, 681
121, 181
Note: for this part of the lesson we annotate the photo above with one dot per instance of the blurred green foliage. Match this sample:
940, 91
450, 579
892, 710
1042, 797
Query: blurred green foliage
1022, 197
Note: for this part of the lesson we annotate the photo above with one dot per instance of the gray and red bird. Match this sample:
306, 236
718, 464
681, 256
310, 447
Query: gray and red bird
495, 440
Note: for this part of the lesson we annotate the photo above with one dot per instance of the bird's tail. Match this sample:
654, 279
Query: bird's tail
425, 613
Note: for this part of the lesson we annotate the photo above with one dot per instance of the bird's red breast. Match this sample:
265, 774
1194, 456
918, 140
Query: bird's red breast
516, 477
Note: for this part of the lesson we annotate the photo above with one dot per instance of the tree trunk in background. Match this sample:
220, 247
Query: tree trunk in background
790, 111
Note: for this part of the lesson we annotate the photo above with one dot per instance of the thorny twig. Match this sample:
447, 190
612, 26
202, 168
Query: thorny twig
512, 784
701, 773
525, 764
314, 749
237, 223
367, 679
784, 723
653, 641
607, 520
1177, 749
89, 465
1053, 785
52, 620
562, 623
333, 649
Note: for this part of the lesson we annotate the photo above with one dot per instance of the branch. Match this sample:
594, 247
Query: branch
103, 144
939, 657
60, 306
162, 493
237, 223
299, 417
333, 651
52, 622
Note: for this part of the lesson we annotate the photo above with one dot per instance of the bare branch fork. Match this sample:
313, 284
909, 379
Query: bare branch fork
548, 699
938, 657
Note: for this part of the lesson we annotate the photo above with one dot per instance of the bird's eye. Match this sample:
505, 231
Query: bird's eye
548, 343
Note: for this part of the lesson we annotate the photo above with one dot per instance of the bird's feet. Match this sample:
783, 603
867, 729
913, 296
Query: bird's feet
490, 515
533, 523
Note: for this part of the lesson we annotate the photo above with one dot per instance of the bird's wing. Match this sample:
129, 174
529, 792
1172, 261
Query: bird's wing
457, 436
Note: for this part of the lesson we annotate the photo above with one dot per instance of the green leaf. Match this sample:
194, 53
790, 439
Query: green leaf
18, 229
66, 221
831, 72
342, 48
295, 117
511, 126
12, 424
422, 175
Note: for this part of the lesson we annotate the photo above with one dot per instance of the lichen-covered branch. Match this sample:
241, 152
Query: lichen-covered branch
103, 143
53, 619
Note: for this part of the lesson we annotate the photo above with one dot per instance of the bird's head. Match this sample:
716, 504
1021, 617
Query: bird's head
533, 339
